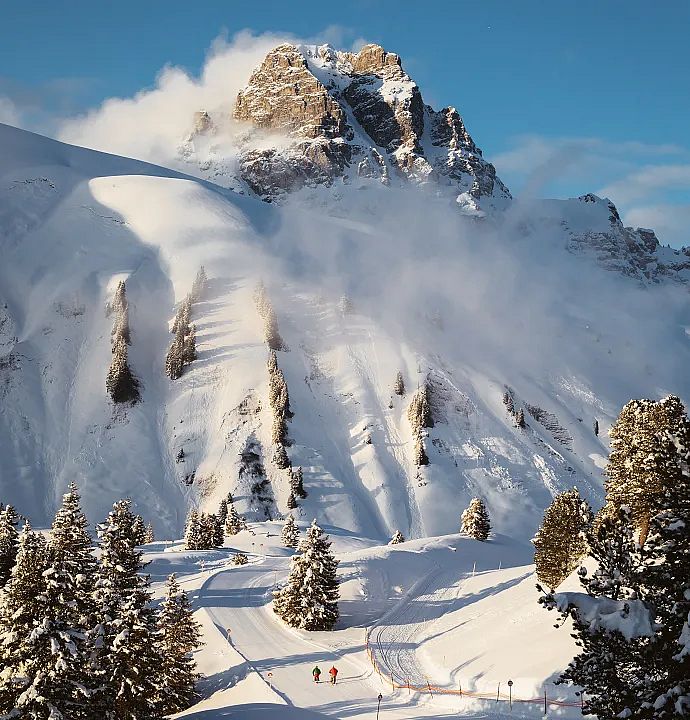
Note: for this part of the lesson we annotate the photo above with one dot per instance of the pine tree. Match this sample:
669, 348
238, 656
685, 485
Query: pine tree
292, 501
223, 512
56, 654
189, 346
218, 531
128, 657
261, 299
309, 600
290, 533
475, 520
278, 431
520, 419
21, 611
271, 332
240, 558
560, 541
297, 483
608, 666
280, 458
399, 384
234, 523
508, 402
278, 395
641, 443
121, 385
138, 530
419, 411
397, 538
419, 457
149, 535
174, 360
9, 541
192, 535
180, 637
666, 558
199, 285
182, 350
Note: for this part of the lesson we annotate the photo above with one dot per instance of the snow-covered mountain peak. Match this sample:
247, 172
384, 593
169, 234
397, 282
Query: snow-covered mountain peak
317, 117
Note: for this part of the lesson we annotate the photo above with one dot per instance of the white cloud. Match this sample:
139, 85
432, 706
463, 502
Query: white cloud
9, 112
642, 184
670, 222
150, 125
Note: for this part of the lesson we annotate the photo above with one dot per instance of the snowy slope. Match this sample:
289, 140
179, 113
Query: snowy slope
472, 308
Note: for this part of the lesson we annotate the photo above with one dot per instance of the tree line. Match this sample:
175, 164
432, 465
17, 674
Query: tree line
80, 638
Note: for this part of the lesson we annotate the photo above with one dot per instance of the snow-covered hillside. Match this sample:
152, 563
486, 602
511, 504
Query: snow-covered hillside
475, 310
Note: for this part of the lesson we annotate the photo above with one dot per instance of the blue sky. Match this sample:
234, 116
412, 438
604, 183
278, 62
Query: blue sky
594, 92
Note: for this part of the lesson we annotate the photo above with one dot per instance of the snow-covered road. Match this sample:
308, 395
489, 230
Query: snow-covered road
238, 599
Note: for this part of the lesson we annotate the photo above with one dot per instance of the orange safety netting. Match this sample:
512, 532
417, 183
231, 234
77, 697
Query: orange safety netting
431, 689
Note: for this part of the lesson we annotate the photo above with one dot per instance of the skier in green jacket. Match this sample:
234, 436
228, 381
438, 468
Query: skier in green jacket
316, 672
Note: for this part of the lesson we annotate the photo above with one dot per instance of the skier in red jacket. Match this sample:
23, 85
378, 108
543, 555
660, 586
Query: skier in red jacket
333, 672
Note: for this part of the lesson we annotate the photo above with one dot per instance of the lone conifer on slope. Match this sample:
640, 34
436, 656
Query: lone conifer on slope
138, 530
192, 530
223, 511
290, 533
21, 612
397, 538
120, 383
475, 520
560, 541
128, 658
399, 385
149, 535
9, 541
199, 285
180, 636
297, 483
309, 600
57, 651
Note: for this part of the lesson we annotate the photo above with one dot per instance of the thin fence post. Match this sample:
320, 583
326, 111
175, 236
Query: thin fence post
429, 687
392, 682
460, 685
498, 691
409, 690
545, 707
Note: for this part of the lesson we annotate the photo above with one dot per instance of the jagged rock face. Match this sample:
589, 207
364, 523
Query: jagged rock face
283, 94
355, 116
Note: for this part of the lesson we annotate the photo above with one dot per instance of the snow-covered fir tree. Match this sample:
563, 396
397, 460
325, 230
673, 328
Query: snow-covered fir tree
199, 285
120, 307
21, 615
508, 402
641, 442
608, 665
397, 538
180, 636
192, 530
399, 384
9, 541
149, 535
120, 383
560, 541
138, 530
57, 655
271, 332
419, 411
127, 654
291, 501
666, 559
222, 511
475, 520
240, 558
182, 351
520, 419
278, 431
289, 535
297, 483
419, 455
235, 523
309, 600
280, 458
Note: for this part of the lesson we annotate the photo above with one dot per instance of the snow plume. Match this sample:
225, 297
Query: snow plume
151, 125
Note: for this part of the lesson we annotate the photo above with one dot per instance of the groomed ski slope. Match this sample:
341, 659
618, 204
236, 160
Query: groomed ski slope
473, 309
437, 610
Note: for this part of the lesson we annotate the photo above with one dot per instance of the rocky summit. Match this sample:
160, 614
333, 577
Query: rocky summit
353, 117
